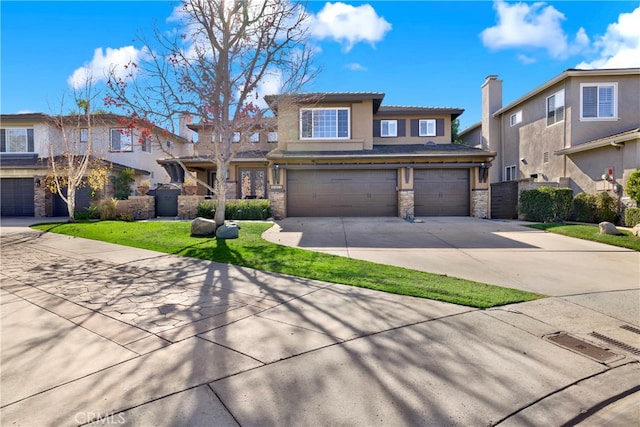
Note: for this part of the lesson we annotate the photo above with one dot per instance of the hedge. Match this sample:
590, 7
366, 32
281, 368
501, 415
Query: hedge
546, 204
237, 209
632, 217
596, 208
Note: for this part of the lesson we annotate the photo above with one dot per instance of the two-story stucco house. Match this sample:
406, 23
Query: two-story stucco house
580, 129
26, 143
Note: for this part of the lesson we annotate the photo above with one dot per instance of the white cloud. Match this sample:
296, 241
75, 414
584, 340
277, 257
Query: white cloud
619, 47
521, 25
349, 24
354, 66
98, 68
526, 59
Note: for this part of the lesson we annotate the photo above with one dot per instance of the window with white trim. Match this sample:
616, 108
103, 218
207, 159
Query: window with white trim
236, 137
515, 118
325, 123
16, 140
427, 127
388, 128
255, 137
598, 101
272, 137
121, 140
84, 135
555, 108
145, 143
510, 173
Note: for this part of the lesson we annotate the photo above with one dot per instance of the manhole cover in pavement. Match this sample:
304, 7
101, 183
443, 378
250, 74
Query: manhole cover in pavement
579, 346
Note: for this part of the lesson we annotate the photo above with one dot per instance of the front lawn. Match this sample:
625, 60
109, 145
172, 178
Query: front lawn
251, 250
592, 232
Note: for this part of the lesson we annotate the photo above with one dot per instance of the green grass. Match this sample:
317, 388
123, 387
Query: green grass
592, 232
251, 250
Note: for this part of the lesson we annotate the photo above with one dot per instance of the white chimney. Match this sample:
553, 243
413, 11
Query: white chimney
491, 137
183, 130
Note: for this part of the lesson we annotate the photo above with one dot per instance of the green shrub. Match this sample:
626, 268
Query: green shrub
108, 209
607, 208
546, 204
247, 209
122, 184
125, 217
633, 185
632, 217
584, 207
206, 209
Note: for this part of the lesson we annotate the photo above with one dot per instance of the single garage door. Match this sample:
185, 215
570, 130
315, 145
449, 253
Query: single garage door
441, 192
16, 197
342, 192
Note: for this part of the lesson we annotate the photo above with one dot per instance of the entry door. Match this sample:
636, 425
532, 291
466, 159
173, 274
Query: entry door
253, 183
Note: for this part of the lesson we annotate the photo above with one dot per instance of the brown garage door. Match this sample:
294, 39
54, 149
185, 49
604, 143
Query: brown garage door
342, 193
16, 197
441, 192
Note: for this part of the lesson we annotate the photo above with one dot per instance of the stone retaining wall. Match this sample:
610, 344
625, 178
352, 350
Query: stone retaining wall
137, 207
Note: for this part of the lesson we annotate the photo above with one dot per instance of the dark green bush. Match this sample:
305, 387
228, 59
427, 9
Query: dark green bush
248, 209
607, 208
206, 209
122, 184
584, 207
632, 217
633, 185
546, 204
237, 209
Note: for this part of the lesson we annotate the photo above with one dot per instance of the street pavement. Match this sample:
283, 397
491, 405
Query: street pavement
96, 333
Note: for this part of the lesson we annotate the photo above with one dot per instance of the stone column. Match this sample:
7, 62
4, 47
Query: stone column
39, 197
480, 203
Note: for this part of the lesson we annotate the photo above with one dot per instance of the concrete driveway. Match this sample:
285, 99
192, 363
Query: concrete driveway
92, 331
505, 253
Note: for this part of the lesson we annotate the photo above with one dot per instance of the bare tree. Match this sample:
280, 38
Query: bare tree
72, 161
215, 70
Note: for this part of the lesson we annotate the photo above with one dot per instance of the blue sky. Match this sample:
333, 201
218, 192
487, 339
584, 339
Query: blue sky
419, 53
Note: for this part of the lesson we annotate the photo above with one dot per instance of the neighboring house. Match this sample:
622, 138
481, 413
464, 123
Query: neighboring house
580, 129
25, 149
344, 154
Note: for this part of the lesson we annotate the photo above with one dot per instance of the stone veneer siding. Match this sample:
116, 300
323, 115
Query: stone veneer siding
406, 203
277, 199
40, 197
480, 203
142, 207
188, 206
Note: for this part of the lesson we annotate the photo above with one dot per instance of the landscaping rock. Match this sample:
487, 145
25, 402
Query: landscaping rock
203, 227
228, 231
608, 228
636, 230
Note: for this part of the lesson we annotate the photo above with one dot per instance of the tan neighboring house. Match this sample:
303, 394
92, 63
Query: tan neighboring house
345, 154
580, 129
25, 149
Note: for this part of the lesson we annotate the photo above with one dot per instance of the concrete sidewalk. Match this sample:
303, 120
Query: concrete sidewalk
98, 332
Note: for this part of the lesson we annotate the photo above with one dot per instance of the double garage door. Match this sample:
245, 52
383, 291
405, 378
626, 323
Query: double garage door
16, 197
342, 192
437, 192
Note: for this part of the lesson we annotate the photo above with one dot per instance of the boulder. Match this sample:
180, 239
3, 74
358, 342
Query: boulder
636, 230
608, 228
203, 227
228, 231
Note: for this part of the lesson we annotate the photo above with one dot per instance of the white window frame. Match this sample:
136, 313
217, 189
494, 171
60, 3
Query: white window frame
515, 118
84, 135
236, 137
429, 127
510, 173
614, 101
124, 135
254, 138
272, 137
557, 95
26, 140
337, 129
391, 128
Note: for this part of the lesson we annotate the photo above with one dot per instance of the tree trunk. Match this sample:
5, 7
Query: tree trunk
71, 202
221, 187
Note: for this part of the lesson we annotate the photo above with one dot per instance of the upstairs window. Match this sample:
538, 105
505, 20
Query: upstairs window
121, 140
324, 123
146, 144
272, 137
555, 108
84, 135
16, 140
255, 137
515, 118
427, 127
598, 101
388, 128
